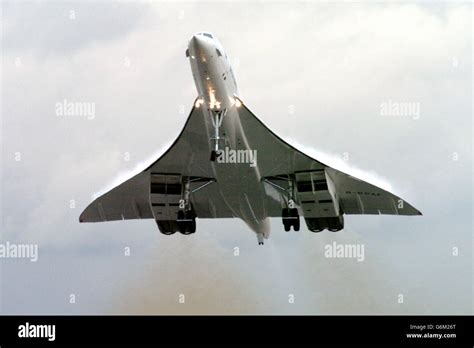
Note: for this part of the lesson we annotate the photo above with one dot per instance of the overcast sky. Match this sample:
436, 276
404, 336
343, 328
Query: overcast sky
334, 64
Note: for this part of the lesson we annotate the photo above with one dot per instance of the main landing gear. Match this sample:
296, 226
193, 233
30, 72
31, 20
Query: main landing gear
180, 217
186, 218
290, 218
186, 222
289, 214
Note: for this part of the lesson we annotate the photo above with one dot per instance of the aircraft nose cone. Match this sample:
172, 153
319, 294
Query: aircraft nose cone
200, 48
197, 42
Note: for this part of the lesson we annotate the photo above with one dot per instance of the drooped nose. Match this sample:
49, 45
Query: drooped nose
200, 48
197, 42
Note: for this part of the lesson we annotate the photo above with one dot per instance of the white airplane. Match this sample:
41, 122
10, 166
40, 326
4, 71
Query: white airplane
227, 164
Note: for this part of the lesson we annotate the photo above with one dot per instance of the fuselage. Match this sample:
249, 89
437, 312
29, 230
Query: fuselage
212, 71
218, 96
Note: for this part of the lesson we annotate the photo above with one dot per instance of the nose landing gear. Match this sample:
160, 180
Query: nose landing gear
216, 117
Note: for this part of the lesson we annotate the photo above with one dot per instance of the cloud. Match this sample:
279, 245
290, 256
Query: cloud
65, 28
138, 168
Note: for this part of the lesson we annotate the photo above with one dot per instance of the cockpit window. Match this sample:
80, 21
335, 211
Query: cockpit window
209, 35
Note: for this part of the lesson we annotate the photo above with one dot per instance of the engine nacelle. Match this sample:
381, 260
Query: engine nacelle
167, 227
333, 224
317, 195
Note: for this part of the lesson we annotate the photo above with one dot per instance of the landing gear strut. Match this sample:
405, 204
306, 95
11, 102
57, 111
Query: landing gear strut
216, 117
186, 216
290, 214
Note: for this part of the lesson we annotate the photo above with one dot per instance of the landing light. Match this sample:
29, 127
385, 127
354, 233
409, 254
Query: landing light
198, 103
238, 103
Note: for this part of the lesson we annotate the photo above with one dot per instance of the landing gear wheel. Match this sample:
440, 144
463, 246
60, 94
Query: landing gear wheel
186, 222
286, 222
290, 218
214, 155
295, 221
296, 225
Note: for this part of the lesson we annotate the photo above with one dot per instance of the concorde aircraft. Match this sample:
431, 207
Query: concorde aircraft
226, 163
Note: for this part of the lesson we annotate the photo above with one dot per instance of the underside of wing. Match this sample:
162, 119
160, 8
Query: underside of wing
320, 192
129, 200
360, 197
156, 192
